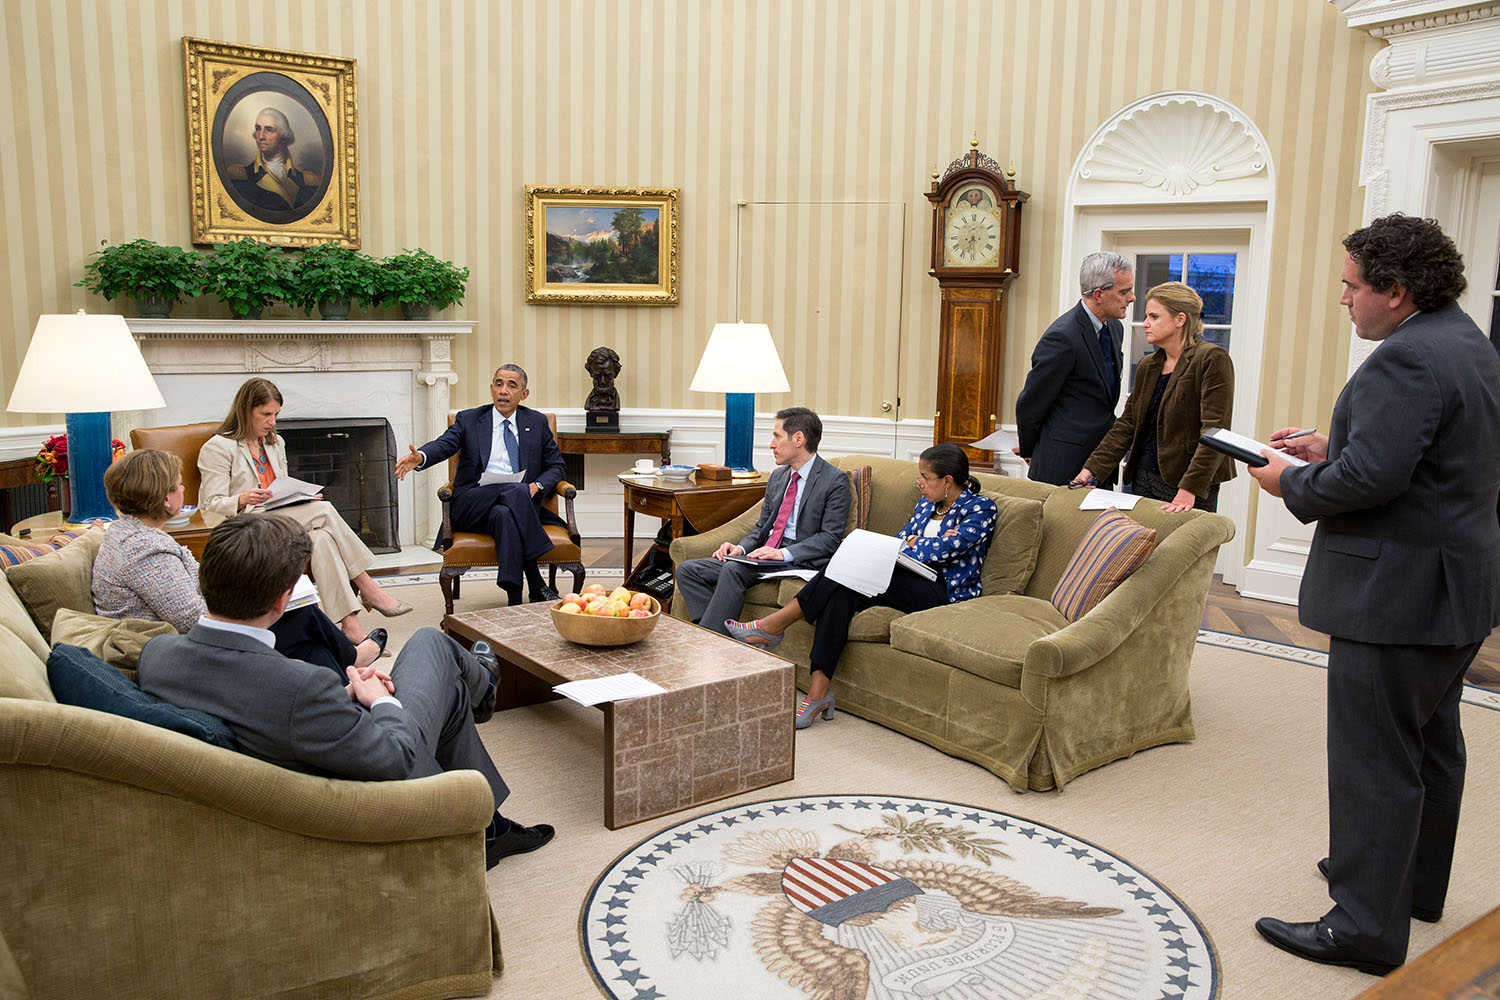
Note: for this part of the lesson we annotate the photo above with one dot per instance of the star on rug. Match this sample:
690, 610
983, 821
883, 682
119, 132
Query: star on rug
843, 897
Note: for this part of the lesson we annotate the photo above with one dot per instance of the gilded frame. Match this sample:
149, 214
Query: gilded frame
545, 280
231, 194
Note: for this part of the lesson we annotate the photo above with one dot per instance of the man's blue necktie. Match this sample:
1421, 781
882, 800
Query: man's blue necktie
512, 448
1107, 348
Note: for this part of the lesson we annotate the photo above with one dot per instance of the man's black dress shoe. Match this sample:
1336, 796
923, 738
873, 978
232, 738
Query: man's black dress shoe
517, 840
1421, 913
545, 595
1314, 941
484, 708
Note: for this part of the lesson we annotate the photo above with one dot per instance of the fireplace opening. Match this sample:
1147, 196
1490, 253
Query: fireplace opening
354, 460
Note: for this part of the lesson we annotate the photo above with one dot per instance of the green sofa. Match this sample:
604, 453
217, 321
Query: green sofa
141, 863
1004, 680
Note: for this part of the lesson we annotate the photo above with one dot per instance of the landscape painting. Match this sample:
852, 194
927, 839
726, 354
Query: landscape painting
602, 245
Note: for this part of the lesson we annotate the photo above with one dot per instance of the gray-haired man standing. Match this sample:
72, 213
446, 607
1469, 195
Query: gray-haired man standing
1068, 402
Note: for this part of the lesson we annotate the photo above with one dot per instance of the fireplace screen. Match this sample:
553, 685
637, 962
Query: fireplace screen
354, 460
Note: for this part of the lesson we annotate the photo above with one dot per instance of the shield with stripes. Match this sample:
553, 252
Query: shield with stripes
832, 890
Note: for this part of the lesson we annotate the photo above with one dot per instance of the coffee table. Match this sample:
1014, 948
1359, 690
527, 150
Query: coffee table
723, 726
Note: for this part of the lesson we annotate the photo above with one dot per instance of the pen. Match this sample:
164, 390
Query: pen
1297, 434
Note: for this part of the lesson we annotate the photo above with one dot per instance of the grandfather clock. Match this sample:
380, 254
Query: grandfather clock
976, 241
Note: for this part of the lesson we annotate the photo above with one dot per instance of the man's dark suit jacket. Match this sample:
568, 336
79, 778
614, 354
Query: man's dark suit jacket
470, 437
821, 516
1066, 406
1407, 546
285, 711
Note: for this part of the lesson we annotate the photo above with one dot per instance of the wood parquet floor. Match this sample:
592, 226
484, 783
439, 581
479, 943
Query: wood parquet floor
1226, 611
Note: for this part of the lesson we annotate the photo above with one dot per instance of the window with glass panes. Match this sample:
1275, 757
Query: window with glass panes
1211, 275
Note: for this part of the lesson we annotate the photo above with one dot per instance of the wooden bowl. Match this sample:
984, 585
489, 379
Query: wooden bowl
592, 630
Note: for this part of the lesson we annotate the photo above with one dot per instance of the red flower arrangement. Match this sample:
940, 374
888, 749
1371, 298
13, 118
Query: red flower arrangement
52, 459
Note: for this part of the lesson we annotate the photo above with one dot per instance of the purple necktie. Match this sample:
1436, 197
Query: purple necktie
784, 514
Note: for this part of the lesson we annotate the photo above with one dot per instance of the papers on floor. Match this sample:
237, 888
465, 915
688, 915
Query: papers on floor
286, 491
620, 687
304, 593
998, 441
865, 561
1105, 499
490, 478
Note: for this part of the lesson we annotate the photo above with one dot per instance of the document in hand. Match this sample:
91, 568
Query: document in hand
305, 592
489, 478
1241, 448
286, 491
865, 560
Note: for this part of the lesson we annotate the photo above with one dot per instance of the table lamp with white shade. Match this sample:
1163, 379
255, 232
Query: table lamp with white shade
740, 360
85, 366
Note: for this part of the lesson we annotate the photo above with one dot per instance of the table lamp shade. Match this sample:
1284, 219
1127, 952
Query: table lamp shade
740, 360
85, 366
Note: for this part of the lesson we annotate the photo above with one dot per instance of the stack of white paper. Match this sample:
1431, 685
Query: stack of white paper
619, 687
1105, 499
864, 562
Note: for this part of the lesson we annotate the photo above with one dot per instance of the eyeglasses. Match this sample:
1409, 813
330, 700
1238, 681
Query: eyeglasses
1100, 288
925, 478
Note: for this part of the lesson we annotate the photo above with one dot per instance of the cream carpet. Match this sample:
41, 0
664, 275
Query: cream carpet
1232, 823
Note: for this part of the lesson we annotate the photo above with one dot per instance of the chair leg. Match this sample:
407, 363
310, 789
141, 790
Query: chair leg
448, 578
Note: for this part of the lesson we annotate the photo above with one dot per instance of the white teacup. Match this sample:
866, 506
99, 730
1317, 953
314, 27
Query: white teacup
645, 466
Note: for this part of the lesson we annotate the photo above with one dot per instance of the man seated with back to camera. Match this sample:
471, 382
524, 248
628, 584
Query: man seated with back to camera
801, 522
367, 725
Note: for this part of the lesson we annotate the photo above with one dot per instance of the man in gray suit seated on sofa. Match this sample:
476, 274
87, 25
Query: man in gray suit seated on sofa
801, 522
416, 721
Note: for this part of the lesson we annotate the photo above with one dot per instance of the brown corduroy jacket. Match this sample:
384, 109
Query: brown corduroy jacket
1199, 395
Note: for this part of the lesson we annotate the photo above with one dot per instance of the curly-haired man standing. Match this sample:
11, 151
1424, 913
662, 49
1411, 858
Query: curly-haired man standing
1404, 576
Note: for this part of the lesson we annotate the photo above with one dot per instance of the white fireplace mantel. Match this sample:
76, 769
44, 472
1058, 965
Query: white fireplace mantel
400, 370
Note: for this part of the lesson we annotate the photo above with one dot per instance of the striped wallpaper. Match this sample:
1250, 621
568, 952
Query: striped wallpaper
801, 132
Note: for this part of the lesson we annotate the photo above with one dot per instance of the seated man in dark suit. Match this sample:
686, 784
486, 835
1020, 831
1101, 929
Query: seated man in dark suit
504, 438
801, 522
370, 726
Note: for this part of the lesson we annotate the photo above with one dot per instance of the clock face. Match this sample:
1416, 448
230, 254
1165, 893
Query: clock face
972, 235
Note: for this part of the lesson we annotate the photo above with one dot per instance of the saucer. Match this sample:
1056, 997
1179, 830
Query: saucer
644, 472
676, 471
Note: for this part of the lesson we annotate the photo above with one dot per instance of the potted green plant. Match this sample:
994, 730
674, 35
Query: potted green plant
331, 276
156, 276
421, 282
247, 275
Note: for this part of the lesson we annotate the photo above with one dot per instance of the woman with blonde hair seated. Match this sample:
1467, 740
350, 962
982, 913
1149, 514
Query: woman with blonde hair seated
1181, 390
237, 467
141, 571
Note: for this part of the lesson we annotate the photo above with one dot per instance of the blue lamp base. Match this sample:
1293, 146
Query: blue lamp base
739, 429
89, 452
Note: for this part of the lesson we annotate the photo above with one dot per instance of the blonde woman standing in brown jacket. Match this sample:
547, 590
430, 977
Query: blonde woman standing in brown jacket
1185, 387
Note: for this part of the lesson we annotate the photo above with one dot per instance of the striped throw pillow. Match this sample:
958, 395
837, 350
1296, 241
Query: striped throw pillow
1112, 549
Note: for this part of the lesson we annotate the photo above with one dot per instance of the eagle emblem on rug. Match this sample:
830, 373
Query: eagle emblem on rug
851, 897
841, 926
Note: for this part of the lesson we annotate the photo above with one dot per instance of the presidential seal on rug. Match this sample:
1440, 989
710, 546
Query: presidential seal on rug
852, 897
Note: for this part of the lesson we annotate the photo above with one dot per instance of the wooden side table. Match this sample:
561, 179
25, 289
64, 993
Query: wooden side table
703, 506
191, 536
574, 443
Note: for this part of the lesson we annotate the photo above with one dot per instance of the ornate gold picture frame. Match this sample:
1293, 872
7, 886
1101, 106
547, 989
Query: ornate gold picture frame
602, 246
273, 144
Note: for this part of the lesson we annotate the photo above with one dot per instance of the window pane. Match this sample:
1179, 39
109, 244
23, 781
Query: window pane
1211, 275
1151, 269
1217, 335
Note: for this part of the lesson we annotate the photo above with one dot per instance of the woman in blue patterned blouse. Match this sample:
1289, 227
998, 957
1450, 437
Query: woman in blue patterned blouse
950, 530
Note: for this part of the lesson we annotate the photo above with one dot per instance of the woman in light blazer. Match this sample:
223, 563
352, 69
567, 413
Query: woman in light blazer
237, 466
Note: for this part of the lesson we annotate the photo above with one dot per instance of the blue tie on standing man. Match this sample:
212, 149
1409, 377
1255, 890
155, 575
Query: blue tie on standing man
505, 438
1068, 402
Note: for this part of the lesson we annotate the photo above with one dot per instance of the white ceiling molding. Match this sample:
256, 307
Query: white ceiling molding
1176, 146
1387, 18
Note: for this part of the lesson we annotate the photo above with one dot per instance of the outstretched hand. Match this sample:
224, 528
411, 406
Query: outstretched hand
408, 462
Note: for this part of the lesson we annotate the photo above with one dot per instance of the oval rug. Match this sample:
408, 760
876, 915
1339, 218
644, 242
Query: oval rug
889, 898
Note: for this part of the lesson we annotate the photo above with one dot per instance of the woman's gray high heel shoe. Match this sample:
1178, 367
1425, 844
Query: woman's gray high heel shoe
807, 711
400, 609
751, 634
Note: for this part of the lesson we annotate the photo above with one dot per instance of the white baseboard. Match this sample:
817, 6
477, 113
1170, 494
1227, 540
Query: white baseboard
1269, 582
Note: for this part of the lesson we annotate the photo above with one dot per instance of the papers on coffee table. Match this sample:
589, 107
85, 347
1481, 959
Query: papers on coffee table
619, 687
